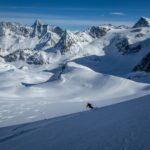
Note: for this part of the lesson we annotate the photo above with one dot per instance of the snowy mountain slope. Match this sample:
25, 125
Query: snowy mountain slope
120, 126
111, 53
104, 39
35, 93
16, 36
99, 31
43, 67
71, 41
47, 72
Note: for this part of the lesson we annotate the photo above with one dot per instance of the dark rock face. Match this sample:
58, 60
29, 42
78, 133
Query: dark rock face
97, 32
25, 55
17, 55
143, 22
144, 65
66, 41
39, 28
58, 31
36, 59
126, 48
123, 45
12, 57
47, 37
31, 57
136, 30
14, 27
140, 35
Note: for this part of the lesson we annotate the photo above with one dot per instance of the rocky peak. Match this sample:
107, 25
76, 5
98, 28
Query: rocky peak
67, 39
38, 23
8, 28
58, 30
142, 22
99, 31
39, 28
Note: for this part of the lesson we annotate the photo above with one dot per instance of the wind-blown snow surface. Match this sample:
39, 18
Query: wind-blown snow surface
117, 127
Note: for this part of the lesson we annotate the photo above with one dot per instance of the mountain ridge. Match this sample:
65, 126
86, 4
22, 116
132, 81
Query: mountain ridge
23, 43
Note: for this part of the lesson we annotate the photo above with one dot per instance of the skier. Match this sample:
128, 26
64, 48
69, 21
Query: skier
89, 105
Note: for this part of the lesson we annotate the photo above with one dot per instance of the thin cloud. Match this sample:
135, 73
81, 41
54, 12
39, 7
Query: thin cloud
58, 8
118, 13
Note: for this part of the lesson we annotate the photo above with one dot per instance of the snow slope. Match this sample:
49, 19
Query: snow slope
47, 72
36, 94
111, 53
120, 126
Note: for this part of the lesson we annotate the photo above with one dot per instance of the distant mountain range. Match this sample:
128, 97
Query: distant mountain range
36, 44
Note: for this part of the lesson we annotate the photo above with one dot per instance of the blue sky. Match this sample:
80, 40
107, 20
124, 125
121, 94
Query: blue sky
74, 14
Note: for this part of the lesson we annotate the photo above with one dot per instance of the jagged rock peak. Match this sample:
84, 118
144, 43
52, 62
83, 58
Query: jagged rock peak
38, 22
98, 31
39, 28
142, 22
67, 39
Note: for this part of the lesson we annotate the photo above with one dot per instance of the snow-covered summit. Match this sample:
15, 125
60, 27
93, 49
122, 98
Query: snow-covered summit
99, 31
37, 23
40, 28
142, 22
106, 39
70, 40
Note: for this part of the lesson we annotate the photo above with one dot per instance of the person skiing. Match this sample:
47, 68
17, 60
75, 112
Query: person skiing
89, 105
